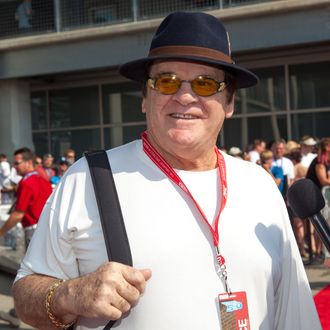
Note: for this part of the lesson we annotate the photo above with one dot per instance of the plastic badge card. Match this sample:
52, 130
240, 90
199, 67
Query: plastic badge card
234, 311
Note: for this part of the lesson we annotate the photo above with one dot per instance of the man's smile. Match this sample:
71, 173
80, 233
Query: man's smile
183, 116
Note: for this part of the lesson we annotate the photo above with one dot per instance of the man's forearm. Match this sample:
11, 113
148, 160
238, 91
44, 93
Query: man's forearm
30, 300
110, 291
12, 221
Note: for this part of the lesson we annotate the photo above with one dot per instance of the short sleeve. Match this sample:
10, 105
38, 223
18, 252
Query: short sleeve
24, 195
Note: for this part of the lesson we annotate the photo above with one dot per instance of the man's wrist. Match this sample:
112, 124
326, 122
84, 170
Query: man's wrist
53, 309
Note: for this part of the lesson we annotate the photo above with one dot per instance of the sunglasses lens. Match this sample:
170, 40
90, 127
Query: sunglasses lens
167, 84
204, 86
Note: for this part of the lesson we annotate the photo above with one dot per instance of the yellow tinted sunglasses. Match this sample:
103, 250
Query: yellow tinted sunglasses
169, 84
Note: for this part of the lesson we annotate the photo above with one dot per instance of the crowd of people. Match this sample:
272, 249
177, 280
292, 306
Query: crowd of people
287, 162
26, 186
45, 166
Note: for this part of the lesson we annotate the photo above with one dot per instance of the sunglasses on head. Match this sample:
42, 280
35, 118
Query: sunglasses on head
169, 84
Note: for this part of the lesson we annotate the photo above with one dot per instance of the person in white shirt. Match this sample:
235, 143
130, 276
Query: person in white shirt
259, 146
4, 176
307, 145
210, 227
4, 169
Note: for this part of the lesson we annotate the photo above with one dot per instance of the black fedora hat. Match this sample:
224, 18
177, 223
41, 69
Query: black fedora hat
193, 36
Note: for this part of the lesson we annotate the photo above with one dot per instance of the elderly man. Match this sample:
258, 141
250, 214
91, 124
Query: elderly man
211, 228
279, 150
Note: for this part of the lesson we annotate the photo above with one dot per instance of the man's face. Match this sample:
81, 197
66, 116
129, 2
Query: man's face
38, 162
70, 157
185, 120
22, 166
48, 162
279, 150
261, 147
63, 167
306, 149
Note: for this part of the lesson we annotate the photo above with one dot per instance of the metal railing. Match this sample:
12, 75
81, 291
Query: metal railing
31, 17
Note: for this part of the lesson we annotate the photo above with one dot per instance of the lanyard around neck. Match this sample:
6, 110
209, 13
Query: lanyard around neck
167, 169
27, 175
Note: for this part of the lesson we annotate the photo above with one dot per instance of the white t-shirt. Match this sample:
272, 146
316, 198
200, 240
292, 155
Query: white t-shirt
254, 156
307, 159
166, 233
4, 172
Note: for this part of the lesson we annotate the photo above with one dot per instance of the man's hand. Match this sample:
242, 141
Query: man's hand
109, 292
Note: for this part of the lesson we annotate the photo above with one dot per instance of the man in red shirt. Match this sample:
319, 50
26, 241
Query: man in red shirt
32, 194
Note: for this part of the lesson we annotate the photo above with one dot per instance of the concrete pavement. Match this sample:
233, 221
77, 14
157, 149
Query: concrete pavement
318, 277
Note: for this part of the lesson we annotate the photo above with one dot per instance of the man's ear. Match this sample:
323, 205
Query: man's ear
229, 111
143, 105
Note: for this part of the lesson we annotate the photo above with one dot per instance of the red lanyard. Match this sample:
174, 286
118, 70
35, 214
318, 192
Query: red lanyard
167, 169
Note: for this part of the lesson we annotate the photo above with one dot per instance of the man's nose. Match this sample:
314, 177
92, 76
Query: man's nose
185, 94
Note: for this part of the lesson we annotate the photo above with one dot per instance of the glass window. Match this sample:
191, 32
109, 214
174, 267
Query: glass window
268, 128
233, 133
74, 107
240, 132
309, 85
40, 141
115, 136
122, 103
39, 110
314, 124
78, 140
267, 96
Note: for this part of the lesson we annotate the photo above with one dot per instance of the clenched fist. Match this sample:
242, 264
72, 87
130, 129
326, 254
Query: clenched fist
108, 292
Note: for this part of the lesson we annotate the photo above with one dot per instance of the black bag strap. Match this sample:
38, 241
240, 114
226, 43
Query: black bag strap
112, 221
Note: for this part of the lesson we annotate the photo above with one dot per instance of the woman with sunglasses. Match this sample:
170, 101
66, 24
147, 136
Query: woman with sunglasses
211, 228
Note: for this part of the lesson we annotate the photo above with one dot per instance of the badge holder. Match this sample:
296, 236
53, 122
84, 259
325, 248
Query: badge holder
234, 313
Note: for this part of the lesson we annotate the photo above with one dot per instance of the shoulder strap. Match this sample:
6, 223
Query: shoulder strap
109, 208
113, 225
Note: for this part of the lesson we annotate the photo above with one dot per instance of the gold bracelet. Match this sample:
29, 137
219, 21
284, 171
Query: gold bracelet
48, 301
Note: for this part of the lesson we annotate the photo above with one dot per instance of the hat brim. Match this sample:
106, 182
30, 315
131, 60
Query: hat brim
137, 70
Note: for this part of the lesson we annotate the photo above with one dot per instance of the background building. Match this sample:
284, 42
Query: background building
60, 88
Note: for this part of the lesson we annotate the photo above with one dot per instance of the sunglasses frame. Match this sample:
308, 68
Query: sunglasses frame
16, 163
153, 81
